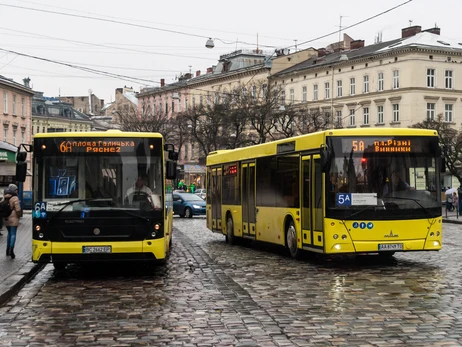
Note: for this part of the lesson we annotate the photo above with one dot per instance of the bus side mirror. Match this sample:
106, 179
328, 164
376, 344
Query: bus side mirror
326, 156
171, 170
21, 166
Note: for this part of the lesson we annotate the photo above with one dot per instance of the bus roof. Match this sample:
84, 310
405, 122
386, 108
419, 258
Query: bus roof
108, 133
308, 141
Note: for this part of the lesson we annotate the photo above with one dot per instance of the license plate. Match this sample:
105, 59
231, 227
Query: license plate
96, 249
390, 246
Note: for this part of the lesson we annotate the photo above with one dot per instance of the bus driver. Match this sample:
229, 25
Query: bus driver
139, 187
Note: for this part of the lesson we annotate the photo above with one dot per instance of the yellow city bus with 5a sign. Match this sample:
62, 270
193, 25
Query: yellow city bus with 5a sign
334, 192
100, 196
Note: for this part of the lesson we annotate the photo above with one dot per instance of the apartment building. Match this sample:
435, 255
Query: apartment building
16, 118
396, 83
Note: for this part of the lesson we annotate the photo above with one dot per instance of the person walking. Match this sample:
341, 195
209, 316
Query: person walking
455, 202
12, 221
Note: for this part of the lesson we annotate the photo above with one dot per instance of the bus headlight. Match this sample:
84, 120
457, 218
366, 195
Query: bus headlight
37, 228
432, 234
157, 227
344, 237
437, 233
40, 235
153, 234
335, 236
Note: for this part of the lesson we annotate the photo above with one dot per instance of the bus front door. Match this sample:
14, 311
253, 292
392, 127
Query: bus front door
248, 200
312, 204
216, 199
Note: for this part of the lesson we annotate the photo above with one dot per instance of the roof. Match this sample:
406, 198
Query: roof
107, 105
13, 84
131, 96
424, 40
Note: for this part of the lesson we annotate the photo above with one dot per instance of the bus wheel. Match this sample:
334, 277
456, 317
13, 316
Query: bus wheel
59, 266
230, 238
291, 241
188, 213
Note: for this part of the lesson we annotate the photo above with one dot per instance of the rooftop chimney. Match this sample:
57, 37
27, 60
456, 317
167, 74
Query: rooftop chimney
26, 82
410, 31
434, 30
209, 69
355, 44
162, 82
322, 52
198, 73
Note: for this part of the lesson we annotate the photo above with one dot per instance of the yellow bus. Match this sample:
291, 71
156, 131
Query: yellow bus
100, 196
333, 192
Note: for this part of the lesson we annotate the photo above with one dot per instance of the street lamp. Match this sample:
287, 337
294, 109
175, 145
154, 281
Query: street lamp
210, 44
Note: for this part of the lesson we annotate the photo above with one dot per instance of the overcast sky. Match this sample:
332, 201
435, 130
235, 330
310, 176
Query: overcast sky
173, 38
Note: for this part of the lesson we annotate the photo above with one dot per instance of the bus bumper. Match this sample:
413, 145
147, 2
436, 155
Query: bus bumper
72, 252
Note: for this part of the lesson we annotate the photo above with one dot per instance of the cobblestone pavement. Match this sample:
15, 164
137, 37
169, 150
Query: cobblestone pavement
213, 294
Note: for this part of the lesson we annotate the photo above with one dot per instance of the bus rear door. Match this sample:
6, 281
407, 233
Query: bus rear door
216, 199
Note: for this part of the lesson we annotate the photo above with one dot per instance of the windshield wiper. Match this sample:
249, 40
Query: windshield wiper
411, 199
364, 209
65, 204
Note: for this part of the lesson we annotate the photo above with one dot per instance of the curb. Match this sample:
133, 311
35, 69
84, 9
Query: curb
451, 221
15, 282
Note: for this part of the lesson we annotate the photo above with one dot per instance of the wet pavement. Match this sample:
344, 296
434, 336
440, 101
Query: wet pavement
214, 294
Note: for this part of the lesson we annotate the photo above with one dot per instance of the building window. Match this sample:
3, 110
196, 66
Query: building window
5, 101
366, 84
179, 105
315, 92
283, 97
15, 130
186, 103
380, 114
254, 93
339, 88
201, 101
448, 79
366, 115
43, 130
430, 111
380, 87
339, 118
395, 79
352, 117
5, 133
352, 86
23, 136
304, 94
431, 78
292, 96
14, 104
173, 105
327, 90
38, 129
395, 112
166, 107
448, 112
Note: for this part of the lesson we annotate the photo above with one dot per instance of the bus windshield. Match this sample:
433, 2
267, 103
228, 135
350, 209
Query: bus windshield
383, 178
74, 179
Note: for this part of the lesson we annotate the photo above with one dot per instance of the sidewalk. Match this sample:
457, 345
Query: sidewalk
451, 217
14, 273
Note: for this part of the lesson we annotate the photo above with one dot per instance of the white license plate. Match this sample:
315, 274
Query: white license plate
390, 246
96, 249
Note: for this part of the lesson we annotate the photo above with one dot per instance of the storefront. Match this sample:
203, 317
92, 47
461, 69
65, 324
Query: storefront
194, 174
7, 165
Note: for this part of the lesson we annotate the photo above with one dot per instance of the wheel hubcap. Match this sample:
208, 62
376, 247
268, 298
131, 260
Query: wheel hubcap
291, 239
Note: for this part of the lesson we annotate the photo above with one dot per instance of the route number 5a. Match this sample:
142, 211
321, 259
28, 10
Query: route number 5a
343, 199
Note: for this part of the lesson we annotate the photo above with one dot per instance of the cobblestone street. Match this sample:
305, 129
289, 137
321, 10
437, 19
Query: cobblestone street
214, 294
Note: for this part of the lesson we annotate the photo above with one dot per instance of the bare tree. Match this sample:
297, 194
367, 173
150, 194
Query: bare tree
450, 141
310, 120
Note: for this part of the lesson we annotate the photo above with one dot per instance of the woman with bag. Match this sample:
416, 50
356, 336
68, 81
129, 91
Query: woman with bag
12, 221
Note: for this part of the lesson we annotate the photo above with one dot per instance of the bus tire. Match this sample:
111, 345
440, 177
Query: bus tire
291, 241
230, 238
188, 212
59, 265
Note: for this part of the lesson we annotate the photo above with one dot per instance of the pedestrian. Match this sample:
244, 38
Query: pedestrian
12, 221
455, 201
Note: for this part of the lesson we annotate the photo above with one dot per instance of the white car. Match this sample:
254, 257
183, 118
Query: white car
201, 192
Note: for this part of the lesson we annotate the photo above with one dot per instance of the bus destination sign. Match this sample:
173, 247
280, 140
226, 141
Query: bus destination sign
377, 146
99, 146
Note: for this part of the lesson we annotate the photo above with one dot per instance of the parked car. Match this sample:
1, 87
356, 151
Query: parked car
201, 192
188, 205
